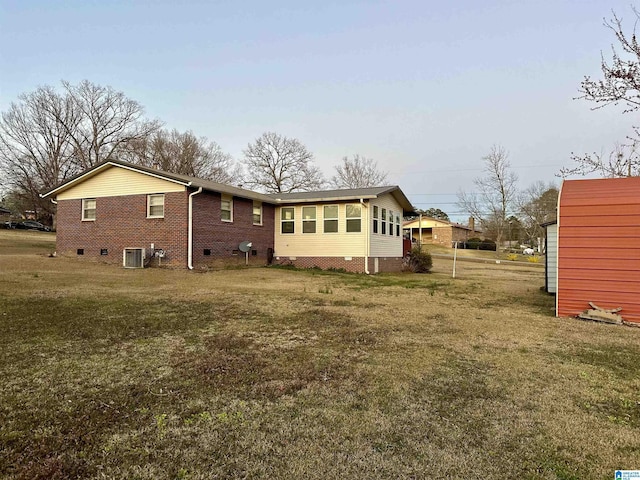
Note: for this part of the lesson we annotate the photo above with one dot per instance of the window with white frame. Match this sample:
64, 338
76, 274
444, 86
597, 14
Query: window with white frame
257, 213
384, 221
89, 209
308, 219
287, 220
330, 218
226, 208
397, 226
155, 206
391, 222
354, 218
375, 219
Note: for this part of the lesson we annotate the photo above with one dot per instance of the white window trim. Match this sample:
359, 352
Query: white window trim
346, 223
227, 198
149, 205
310, 220
336, 218
293, 220
257, 205
95, 209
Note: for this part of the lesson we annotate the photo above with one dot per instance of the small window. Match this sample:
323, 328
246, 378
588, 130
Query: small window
384, 221
330, 218
354, 218
390, 223
257, 213
287, 220
308, 219
375, 219
397, 226
226, 208
89, 209
155, 206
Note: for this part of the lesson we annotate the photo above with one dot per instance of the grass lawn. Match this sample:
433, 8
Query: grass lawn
282, 374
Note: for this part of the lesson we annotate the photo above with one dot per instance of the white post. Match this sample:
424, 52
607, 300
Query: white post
455, 257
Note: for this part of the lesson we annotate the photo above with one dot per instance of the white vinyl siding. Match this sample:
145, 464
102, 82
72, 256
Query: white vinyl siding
88, 209
320, 244
117, 181
387, 245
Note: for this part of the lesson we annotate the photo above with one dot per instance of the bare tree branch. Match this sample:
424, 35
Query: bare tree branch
358, 172
277, 164
496, 191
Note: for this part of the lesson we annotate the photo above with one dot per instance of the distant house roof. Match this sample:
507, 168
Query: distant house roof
274, 198
344, 195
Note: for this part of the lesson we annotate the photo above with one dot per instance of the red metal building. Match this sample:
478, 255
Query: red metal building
599, 246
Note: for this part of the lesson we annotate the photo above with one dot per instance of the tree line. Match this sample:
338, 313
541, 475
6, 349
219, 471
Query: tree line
49, 135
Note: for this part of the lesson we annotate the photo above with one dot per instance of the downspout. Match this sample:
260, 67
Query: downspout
366, 239
190, 234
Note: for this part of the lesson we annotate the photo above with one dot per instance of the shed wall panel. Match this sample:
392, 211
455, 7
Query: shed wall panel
599, 246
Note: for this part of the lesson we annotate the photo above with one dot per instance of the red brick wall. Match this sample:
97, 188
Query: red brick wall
222, 238
121, 222
356, 264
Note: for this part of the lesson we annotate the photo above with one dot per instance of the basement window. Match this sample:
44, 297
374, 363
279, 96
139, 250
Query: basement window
206, 252
80, 251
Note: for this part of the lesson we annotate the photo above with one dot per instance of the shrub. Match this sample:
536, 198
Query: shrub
487, 244
418, 261
512, 256
473, 243
534, 259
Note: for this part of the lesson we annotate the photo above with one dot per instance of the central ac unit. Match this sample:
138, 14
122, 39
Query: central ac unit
133, 258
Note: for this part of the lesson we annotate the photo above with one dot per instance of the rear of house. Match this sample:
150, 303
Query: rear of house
122, 213
358, 230
599, 246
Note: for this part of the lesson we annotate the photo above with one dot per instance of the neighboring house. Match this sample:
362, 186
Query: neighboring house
427, 230
599, 246
551, 256
358, 230
123, 213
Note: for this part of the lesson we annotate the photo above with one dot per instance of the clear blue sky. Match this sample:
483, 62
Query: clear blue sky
423, 87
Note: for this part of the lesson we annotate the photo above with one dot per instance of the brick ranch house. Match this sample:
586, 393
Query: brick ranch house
439, 232
132, 215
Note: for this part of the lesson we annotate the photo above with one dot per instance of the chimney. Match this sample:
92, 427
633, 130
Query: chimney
472, 224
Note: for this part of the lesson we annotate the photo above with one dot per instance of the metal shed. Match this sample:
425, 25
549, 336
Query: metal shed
599, 246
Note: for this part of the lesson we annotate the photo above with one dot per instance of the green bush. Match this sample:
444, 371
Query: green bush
418, 261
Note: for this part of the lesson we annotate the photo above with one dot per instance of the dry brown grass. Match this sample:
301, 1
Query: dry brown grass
275, 373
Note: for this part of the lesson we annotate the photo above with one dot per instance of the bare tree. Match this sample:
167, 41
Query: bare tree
620, 85
536, 205
105, 121
277, 164
358, 172
36, 151
496, 191
184, 153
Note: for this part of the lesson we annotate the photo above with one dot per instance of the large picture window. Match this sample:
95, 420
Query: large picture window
330, 218
354, 218
308, 219
89, 209
226, 208
287, 220
155, 206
